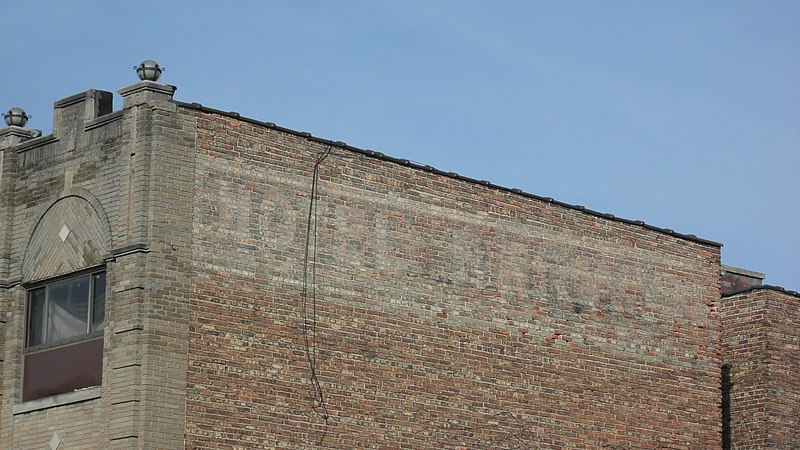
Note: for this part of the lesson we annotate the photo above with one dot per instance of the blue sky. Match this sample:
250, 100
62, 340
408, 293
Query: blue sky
683, 114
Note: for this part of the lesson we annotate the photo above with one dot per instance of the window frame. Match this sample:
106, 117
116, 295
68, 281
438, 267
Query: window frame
43, 284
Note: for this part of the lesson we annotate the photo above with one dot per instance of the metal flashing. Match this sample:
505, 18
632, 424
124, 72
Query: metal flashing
454, 175
768, 287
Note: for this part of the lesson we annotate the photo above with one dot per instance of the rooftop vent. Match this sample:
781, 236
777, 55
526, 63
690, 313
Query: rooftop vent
149, 70
16, 117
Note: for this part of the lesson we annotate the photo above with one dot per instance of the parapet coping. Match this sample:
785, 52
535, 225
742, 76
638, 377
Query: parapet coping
765, 287
73, 99
739, 271
40, 141
102, 120
453, 175
30, 144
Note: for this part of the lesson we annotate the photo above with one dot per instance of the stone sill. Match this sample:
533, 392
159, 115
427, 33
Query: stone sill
54, 401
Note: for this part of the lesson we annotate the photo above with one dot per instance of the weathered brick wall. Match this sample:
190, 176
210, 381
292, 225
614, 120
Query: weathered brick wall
761, 339
448, 314
784, 369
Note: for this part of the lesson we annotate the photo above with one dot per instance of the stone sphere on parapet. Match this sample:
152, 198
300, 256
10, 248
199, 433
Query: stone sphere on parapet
149, 70
16, 117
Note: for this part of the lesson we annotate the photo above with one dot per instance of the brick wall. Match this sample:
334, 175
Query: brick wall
761, 386
448, 314
77, 425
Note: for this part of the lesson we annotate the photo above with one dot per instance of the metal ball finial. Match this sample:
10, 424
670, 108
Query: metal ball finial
149, 70
16, 117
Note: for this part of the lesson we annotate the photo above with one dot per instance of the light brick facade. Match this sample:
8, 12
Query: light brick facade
434, 311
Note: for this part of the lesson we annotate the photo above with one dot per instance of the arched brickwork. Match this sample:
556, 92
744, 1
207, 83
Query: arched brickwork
72, 234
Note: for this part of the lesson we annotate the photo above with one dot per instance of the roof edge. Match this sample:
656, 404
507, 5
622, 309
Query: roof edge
765, 287
408, 163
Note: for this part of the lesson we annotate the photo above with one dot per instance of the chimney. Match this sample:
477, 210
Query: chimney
71, 114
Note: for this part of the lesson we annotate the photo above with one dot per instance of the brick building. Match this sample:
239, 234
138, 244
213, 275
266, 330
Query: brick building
174, 276
760, 343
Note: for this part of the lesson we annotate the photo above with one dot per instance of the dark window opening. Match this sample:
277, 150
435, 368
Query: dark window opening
64, 338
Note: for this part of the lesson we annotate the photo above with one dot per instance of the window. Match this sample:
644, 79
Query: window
64, 309
64, 339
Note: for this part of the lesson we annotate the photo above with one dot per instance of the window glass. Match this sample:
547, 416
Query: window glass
98, 301
36, 305
67, 308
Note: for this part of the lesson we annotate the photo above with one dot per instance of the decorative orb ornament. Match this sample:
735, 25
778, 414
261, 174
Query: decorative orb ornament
16, 117
149, 70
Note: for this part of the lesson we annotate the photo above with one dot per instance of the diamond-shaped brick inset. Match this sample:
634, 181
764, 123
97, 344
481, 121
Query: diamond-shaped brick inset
64, 233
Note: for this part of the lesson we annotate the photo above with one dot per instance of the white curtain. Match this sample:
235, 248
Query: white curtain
68, 309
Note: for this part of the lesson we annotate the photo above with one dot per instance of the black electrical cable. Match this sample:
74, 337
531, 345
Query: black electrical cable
320, 406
